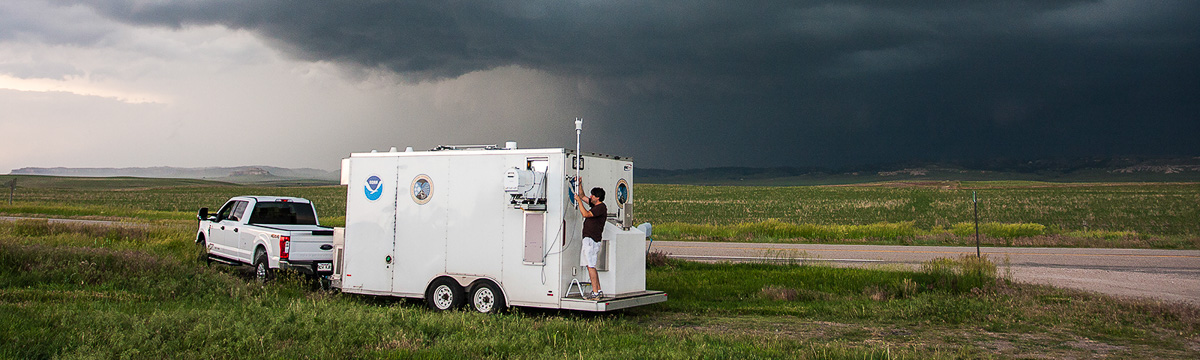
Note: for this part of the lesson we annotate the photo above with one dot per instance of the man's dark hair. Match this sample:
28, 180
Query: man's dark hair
598, 193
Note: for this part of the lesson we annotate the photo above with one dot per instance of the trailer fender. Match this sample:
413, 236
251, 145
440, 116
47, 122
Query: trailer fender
467, 281
490, 280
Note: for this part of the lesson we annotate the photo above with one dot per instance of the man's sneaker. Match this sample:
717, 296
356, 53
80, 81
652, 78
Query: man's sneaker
593, 296
598, 294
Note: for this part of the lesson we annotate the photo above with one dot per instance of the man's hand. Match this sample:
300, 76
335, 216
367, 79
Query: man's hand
581, 199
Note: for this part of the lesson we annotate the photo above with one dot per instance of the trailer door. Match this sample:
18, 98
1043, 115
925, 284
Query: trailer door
421, 209
370, 225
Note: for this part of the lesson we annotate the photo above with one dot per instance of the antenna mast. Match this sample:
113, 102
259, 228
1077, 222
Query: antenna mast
578, 155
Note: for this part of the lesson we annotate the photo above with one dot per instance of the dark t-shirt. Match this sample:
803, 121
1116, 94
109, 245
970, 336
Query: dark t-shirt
593, 227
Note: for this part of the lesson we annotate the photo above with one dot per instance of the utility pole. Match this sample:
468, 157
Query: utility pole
975, 201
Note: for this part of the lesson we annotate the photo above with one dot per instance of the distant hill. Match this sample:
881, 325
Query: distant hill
1115, 169
1120, 169
101, 183
239, 174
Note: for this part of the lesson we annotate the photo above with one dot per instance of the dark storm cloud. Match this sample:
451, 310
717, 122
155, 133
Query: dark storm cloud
31, 20
788, 82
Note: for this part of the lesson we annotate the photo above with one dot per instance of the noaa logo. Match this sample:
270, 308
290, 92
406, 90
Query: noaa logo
374, 188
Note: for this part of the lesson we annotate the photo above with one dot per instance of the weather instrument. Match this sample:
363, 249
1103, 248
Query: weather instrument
578, 159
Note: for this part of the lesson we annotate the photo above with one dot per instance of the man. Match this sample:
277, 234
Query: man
593, 229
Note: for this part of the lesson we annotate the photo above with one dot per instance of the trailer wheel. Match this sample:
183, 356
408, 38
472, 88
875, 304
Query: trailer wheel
262, 269
487, 298
444, 294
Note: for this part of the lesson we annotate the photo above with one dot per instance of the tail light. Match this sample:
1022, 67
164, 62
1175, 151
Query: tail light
285, 246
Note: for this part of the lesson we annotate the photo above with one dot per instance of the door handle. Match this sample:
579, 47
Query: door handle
234, 229
222, 227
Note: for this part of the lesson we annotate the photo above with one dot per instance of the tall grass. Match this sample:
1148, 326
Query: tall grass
1151, 208
1161, 215
778, 229
94, 291
961, 234
999, 230
61, 299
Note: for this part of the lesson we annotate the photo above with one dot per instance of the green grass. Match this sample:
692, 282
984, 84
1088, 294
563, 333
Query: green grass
139, 292
1013, 213
1140, 215
1150, 208
149, 198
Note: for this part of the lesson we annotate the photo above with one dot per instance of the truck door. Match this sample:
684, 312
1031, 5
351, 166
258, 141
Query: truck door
217, 233
234, 232
228, 230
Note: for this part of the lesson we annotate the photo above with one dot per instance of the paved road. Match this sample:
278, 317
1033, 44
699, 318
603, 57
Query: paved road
1171, 275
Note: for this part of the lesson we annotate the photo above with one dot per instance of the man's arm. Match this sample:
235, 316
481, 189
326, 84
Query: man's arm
579, 199
584, 212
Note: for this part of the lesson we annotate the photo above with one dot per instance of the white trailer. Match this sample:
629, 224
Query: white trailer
488, 226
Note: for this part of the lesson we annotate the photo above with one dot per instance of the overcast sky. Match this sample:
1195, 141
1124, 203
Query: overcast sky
675, 84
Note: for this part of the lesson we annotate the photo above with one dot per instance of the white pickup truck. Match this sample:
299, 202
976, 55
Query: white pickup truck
269, 233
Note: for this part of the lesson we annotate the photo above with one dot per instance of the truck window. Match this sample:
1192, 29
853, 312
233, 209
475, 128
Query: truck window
283, 213
239, 210
226, 210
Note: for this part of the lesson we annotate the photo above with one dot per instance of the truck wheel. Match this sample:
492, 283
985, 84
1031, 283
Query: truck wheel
262, 269
325, 283
444, 294
487, 298
204, 252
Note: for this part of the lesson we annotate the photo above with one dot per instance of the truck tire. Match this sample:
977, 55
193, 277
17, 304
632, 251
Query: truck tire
325, 283
204, 252
487, 298
262, 269
444, 294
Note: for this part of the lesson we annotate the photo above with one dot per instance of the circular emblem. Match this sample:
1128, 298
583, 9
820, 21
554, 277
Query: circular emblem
622, 192
422, 189
374, 188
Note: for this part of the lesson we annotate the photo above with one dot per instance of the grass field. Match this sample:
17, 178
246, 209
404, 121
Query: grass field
1142, 215
76, 291
80, 291
1013, 213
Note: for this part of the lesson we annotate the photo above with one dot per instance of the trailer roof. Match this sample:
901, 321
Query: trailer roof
477, 151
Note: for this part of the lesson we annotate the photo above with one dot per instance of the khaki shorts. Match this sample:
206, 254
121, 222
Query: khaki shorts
591, 249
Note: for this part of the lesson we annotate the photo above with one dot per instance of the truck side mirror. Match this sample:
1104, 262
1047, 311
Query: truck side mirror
203, 214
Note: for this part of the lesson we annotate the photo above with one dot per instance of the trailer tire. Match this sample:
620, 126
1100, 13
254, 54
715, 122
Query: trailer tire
262, 269
487, 298
444, 294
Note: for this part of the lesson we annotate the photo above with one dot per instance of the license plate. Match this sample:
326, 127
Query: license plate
324, 266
